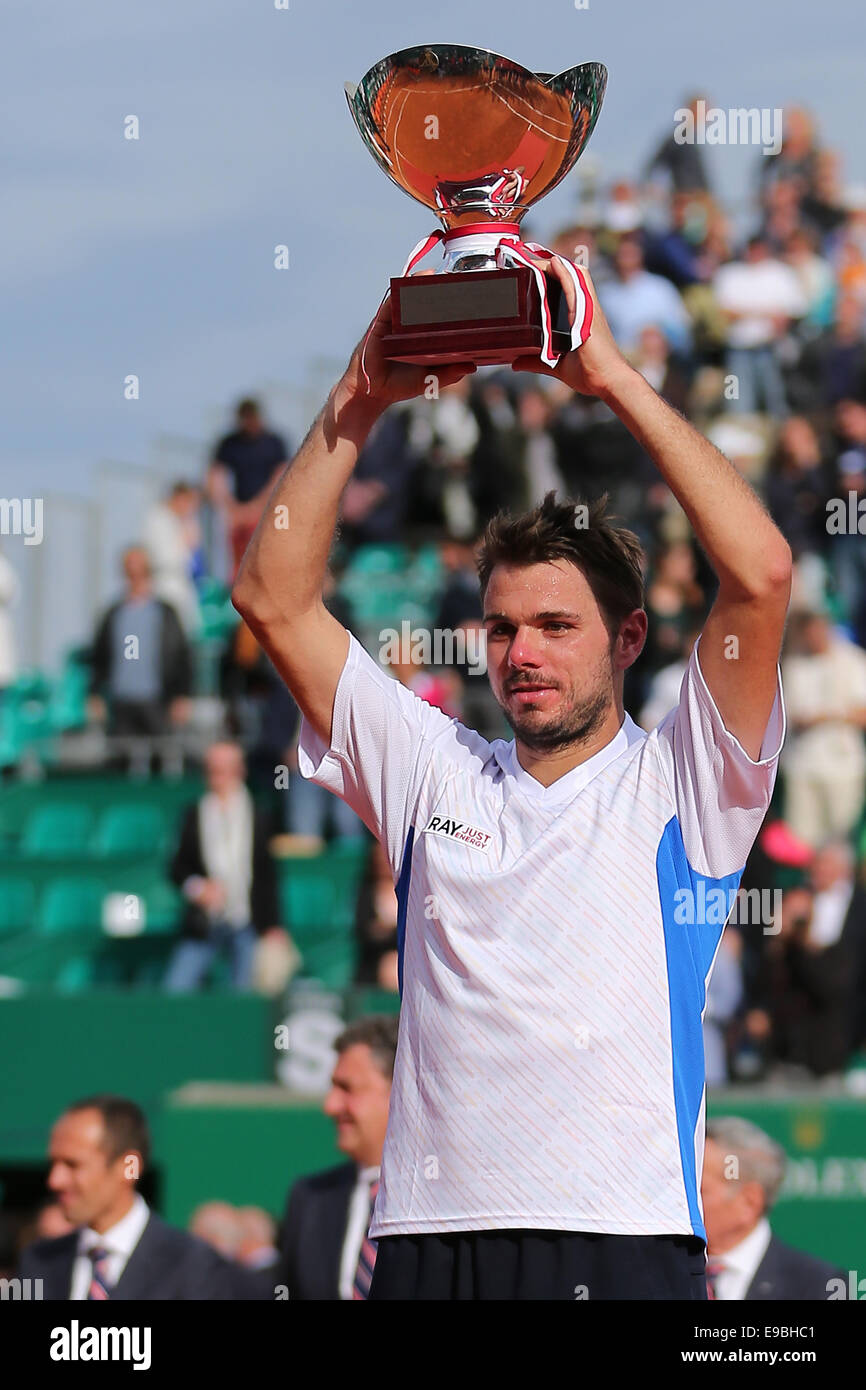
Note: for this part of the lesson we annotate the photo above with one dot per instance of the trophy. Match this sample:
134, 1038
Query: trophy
478, 139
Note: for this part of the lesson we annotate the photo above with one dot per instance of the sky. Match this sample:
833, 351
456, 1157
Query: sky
156, 256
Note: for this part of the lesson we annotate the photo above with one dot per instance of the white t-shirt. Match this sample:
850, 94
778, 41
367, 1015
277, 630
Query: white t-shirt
758, 291
831, 682
550, 1066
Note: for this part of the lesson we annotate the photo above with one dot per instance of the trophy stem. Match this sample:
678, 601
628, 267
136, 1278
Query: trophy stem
473, 247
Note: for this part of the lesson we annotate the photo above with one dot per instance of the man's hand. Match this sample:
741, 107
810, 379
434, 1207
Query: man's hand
592, 367
207, 893
96, 709
389, 381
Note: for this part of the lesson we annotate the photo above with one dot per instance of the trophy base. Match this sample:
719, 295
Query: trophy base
489, 317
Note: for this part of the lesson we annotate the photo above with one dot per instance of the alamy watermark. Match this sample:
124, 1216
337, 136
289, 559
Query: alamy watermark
438, 646
739, 125
740, 907
22, 516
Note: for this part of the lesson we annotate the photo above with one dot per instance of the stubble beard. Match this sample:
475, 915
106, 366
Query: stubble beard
575, 727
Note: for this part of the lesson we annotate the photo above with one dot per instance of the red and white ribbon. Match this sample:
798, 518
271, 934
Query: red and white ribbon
510, 251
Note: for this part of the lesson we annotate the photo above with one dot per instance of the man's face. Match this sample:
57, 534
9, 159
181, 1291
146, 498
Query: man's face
828, 867
225, 768
86, 1182
548, 653
628, 258
816, 635
136, 567
731, 1208
358, 1104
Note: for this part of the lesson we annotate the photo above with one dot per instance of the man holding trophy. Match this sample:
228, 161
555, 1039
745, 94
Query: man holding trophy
545, 1137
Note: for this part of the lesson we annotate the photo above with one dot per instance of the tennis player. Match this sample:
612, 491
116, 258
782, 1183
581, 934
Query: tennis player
546, 1126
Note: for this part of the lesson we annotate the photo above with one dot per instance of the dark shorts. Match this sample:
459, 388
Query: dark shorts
545, 1265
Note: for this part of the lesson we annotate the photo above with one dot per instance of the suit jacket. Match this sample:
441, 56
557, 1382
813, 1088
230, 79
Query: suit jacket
188, 861
786, 1273
165, 1264
313, 1231
854, 939
175, 656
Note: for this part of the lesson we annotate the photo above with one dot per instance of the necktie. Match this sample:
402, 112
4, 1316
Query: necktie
714, 1269
367, 1257
98, 1286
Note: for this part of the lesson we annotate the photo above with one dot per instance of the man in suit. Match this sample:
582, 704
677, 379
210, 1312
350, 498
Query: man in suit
839, 915
326, 1252
224, 870
141, 661
119, 1248
743, 1172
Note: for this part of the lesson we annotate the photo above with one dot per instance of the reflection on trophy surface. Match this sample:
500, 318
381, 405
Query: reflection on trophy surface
477, 139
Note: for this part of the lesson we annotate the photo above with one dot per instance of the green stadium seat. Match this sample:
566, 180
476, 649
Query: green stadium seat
68, 707
71, 904
57, 831
127, 829
162, 907
319, 901
17, 904
371, 560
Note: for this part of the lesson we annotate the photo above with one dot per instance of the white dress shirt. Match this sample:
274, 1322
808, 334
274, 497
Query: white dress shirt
226, 837
119, 1240
829, 910
357, 1225
740, 1265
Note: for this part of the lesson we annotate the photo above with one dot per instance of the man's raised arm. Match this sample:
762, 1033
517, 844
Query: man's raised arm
278, 590
742, 637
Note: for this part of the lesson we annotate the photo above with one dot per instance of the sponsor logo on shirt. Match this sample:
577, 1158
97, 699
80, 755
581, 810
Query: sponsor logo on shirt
458, 830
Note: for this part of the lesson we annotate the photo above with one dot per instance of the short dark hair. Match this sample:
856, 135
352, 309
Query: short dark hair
609, 556
248, 406
126, 1129
379, 1033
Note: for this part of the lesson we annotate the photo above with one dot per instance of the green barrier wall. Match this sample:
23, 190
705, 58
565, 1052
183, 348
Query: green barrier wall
56, 1048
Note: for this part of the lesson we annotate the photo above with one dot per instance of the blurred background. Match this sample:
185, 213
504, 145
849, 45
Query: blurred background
160, 371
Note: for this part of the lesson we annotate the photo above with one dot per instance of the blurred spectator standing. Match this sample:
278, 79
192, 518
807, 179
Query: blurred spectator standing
742, 1176
224, 869
245, 466
815, 277
326, 1251
683, 162
824, 760
832, 366
797, 159
635, 299
675, 603
172, 540
796, 487
847, 542
805, 994
140, 660
839, 915
760, 297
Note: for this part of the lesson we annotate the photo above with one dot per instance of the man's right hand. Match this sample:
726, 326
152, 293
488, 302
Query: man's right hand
389, 382
209, 894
